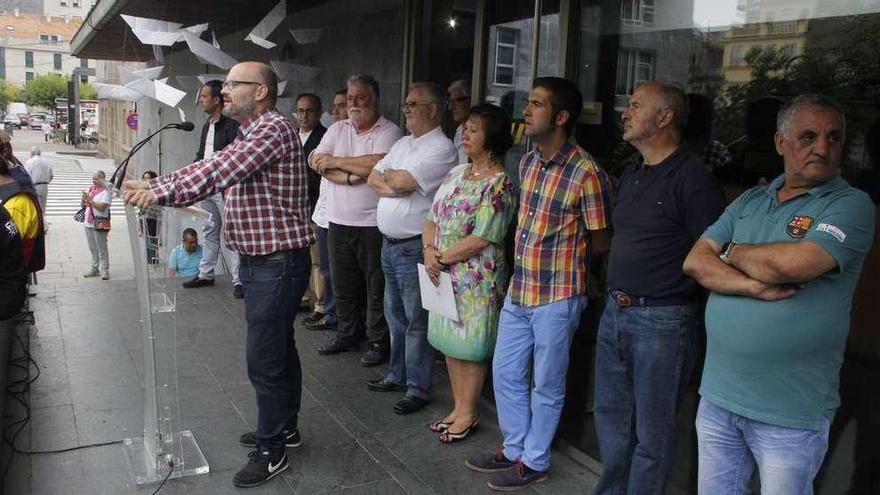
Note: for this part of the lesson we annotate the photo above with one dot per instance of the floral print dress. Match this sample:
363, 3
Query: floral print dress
483, 207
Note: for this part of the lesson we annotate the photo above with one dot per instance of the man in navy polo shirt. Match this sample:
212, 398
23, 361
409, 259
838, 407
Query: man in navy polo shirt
782, 263
646, 343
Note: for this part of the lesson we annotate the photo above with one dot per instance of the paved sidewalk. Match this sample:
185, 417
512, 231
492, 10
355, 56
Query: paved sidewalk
87, 341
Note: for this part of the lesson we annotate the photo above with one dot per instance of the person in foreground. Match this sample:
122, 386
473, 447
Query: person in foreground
464, 235
561, 216
782, 263
263, 177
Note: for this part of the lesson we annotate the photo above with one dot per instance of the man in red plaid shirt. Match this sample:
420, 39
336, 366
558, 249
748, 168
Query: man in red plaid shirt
266, 221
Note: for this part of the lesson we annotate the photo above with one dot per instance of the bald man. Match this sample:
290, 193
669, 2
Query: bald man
266, 220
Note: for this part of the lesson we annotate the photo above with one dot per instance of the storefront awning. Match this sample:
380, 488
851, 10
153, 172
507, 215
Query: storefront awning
105, 36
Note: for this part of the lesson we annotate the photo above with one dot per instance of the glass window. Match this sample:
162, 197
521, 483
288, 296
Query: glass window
44, 38
739, 61
56, 59
83, 79
639, 12
29, 59
505, 56
28, 77
84, 63
53, 38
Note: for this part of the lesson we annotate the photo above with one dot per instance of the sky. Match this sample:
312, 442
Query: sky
714, 12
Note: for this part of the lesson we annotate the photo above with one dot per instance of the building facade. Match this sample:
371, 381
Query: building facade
33, 45
607, 46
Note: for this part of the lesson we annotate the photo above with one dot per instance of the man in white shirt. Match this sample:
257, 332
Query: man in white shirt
346, 157
327, 321
40, 171
459, 103
406, 180
47, 130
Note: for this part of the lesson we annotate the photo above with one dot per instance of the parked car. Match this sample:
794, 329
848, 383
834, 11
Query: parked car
37, 122
12, 121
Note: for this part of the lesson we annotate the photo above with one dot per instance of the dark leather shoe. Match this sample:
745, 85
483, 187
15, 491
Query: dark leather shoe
375, 355
312, 317
198, 282
383, 385
335, 347
319, 325
410, 404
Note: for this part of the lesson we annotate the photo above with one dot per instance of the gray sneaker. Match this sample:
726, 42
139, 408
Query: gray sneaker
93, 273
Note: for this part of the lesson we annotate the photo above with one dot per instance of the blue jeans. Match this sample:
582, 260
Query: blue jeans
411, 355
324, 264
273, 288
528, 416
644, 358
731, 446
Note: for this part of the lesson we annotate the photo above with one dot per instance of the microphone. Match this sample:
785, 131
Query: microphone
183, 126
119, 173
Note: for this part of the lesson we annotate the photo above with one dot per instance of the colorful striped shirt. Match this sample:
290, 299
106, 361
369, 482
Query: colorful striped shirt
561, 199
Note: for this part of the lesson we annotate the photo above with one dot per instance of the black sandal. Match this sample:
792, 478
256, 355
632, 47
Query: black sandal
450, 437
440, 426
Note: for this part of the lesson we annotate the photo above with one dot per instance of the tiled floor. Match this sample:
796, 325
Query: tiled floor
87, 341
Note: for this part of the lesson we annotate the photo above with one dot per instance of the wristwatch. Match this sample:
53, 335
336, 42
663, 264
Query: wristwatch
725, 252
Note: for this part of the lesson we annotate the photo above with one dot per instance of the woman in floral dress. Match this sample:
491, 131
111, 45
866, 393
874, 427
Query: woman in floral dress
464, 235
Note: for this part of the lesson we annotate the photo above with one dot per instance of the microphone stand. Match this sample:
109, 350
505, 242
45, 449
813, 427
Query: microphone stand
119, 173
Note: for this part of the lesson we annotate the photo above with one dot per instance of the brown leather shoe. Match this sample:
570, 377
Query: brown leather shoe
198, 282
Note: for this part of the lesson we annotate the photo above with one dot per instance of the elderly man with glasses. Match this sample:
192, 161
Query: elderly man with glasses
346, 157
263, 177
406, 181
459, 103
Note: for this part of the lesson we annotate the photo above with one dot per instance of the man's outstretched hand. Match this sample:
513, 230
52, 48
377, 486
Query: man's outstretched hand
137, 193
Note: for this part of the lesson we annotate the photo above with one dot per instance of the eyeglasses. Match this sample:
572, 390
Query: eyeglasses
411, 105
232, 83
306, 111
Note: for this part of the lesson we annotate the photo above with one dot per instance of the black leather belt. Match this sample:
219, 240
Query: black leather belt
262, 258
41, 183
624, 300
392, 240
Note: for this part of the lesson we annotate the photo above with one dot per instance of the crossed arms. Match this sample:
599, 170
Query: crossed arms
770, 271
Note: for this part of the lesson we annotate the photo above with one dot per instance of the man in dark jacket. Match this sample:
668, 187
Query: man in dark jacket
308, 116
217, 132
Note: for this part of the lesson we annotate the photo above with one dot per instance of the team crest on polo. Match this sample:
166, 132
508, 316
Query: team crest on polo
798, 226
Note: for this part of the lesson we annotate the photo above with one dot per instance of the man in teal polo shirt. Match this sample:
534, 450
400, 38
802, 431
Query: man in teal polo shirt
782, 263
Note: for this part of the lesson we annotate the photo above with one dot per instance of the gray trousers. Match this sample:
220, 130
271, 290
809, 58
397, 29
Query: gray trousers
42, 194
212, 246
98, 247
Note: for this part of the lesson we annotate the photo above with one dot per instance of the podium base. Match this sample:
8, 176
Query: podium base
188, 460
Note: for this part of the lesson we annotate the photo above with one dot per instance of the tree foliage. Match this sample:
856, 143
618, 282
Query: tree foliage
9, 92
87, 92
42, 90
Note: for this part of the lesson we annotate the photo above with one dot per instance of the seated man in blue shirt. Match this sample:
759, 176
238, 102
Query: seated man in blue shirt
185, 258
782, 263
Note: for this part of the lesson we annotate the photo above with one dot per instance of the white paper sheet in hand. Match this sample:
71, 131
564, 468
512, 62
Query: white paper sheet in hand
438, 299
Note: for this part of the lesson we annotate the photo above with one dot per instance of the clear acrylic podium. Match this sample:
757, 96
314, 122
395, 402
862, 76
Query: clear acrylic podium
165, 451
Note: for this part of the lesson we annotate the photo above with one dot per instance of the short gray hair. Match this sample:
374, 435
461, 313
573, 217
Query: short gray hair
35, 150
671, 97
429, 89
786, 113
460, 84
366, 80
